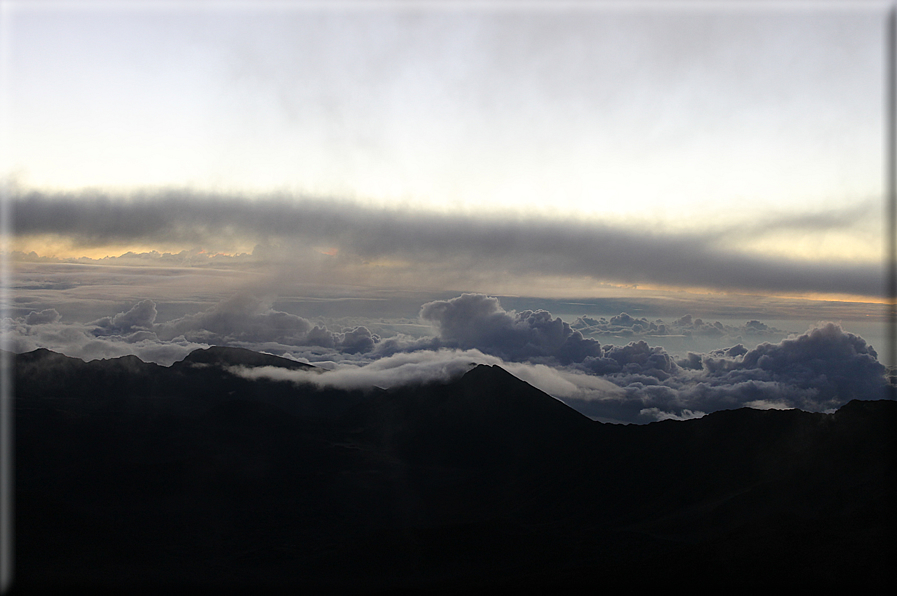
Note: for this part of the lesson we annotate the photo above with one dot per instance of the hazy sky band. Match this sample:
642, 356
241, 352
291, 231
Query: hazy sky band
419, 240
714, 111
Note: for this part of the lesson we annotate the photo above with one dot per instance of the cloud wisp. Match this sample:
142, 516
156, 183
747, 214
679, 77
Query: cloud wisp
391, 244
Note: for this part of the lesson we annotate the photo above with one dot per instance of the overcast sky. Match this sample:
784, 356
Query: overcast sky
722, 146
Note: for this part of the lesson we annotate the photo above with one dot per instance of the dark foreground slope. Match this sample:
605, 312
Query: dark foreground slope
130, 476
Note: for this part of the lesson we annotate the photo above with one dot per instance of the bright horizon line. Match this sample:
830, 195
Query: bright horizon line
647, 288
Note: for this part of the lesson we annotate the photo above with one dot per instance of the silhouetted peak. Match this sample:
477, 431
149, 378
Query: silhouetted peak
493, 388
868, 407
130, 359
44, 356
39, 354
487, 375
486, 371
227, 356
863, 416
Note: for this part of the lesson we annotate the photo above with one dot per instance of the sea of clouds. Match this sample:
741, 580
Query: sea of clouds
604, 367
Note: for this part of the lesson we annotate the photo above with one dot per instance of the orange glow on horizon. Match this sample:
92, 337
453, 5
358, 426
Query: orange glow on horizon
62, 248
54, 247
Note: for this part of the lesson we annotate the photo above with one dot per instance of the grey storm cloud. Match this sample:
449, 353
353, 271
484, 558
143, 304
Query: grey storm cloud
479, 321
819, 370
48, 315
633, 358
836, 364
140, 317
427, 242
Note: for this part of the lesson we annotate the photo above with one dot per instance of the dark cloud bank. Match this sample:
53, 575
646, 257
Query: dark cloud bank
439, 245
627, 380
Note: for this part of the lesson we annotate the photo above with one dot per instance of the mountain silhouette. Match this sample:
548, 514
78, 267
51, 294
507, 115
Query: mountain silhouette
227, 356
136, 477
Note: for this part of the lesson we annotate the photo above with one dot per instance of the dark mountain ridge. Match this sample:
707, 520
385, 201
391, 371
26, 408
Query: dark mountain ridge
227, 356
133, 476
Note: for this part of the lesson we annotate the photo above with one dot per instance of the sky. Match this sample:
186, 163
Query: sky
349, 163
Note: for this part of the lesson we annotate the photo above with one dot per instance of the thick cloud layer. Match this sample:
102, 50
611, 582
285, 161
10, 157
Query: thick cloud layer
634, 382
627, 326
247, 320
91, 341
242, 320
414, 244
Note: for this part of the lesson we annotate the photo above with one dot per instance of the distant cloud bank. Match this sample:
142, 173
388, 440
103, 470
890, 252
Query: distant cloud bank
390, 245
632, 382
